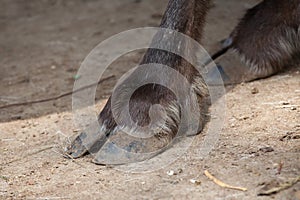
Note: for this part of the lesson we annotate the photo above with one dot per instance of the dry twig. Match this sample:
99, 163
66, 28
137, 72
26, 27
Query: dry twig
275, 187
220, 183
29, 154
56, 97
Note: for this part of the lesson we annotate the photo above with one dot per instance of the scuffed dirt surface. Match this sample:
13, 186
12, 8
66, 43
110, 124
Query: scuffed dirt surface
42, 44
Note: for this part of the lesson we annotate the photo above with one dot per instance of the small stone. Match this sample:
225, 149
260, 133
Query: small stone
254, 90
53, 67
296, 137
196, 182
31, 182
243, 118
171, 173
266, 149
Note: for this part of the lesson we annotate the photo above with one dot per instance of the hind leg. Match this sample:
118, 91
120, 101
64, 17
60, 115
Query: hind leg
267, 39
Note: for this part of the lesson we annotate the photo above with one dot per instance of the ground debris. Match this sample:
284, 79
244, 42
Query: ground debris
254, 90
195, 181
222, 184
4, 178
275, 186
266, 149
290, 136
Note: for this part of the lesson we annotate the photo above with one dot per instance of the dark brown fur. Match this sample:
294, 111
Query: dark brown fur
268, 36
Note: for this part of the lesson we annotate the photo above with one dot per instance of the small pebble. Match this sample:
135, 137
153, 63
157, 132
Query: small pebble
266, 149
254, 90
171, 173
244, 118
196, 182
31, 182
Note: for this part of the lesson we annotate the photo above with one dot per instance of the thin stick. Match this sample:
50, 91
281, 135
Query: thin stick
56, 97
220, 183
45, 148
280, 187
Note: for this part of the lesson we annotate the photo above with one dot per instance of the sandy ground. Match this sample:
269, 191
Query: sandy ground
43, 42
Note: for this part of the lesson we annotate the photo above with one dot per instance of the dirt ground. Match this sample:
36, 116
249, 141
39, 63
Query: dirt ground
43, 42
